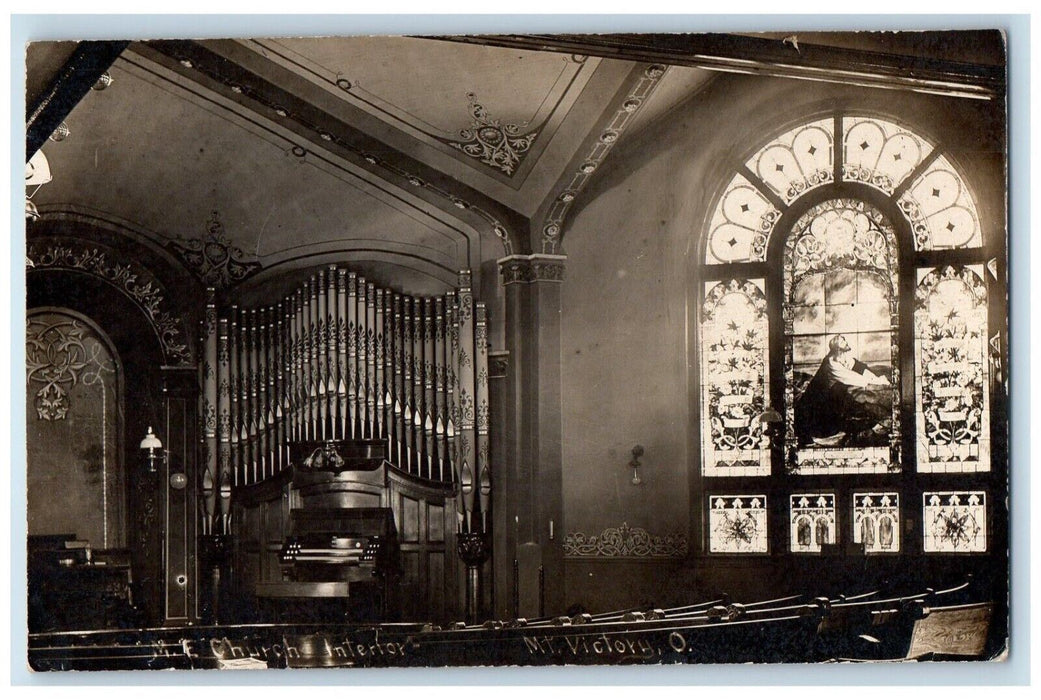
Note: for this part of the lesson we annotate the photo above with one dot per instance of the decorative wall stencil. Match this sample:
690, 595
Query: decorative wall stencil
876, 522
941, 210
643, 87
625, 541
880, 153
129, 277
214, 68
951, 370
955, 521
61, 352
797, 161
213, 259
734, 379
737, 525
812, 520
841, 353
502, 146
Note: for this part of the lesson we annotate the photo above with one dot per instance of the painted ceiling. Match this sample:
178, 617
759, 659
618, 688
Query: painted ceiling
412, 155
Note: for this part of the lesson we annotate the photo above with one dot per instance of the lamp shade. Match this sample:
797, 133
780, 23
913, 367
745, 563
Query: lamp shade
37, 170
151, 441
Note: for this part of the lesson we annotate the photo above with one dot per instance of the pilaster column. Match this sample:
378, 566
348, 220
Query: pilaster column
533, 512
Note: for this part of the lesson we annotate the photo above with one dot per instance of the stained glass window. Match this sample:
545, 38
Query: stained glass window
797, 161
740, 225
951, 397
879, 153
841, 355
812, 521
876, 522
734, 337
941, 210
955, 521
737, 524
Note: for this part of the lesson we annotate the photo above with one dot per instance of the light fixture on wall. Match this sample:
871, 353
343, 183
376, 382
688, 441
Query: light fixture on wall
154, 448
634, 463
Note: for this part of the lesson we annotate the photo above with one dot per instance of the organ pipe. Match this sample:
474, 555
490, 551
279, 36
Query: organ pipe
341, 358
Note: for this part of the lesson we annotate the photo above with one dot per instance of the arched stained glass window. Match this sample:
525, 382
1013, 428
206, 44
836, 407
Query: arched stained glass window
841, 354
734, 340
951, 369
941, 210
880, 153
797, 161
741, 225
831, 309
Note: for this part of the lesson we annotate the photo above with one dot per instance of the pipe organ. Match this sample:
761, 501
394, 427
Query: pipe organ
342, 359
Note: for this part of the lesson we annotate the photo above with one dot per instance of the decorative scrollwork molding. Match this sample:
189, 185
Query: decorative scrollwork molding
625, 541
501, 146
213, 259
129, 277
642, 88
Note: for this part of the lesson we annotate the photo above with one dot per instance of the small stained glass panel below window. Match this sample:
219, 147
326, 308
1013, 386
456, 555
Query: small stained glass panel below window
941, 210
951, 370
955, 521
741, 224
812, 521
879, 153
876, 522
734, 379
737, 524
797, 161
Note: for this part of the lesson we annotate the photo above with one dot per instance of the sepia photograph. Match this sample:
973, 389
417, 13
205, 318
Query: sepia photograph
503, 349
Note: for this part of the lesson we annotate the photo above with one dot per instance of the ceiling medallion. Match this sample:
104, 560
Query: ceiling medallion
491, 142
212, 258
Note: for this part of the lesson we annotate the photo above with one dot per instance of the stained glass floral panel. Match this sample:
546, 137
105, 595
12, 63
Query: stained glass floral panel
880, 153
734, 379
812, 521
798, 160
741, 224
737, 524
940, 209
955, 521
951, 370
876, 522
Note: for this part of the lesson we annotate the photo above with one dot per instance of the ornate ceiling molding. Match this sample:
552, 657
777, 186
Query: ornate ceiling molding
213, 258
127, 275
288, 111
625, 543
643, 86
467, 144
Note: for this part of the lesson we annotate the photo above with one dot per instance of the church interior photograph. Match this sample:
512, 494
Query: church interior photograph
516, 350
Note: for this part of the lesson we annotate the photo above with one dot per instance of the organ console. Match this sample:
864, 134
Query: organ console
318, 412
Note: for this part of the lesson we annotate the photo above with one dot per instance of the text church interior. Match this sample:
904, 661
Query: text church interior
516, 349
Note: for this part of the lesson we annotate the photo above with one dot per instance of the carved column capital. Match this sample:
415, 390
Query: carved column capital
532, 268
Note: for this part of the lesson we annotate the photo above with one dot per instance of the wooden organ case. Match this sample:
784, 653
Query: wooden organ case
345, 453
